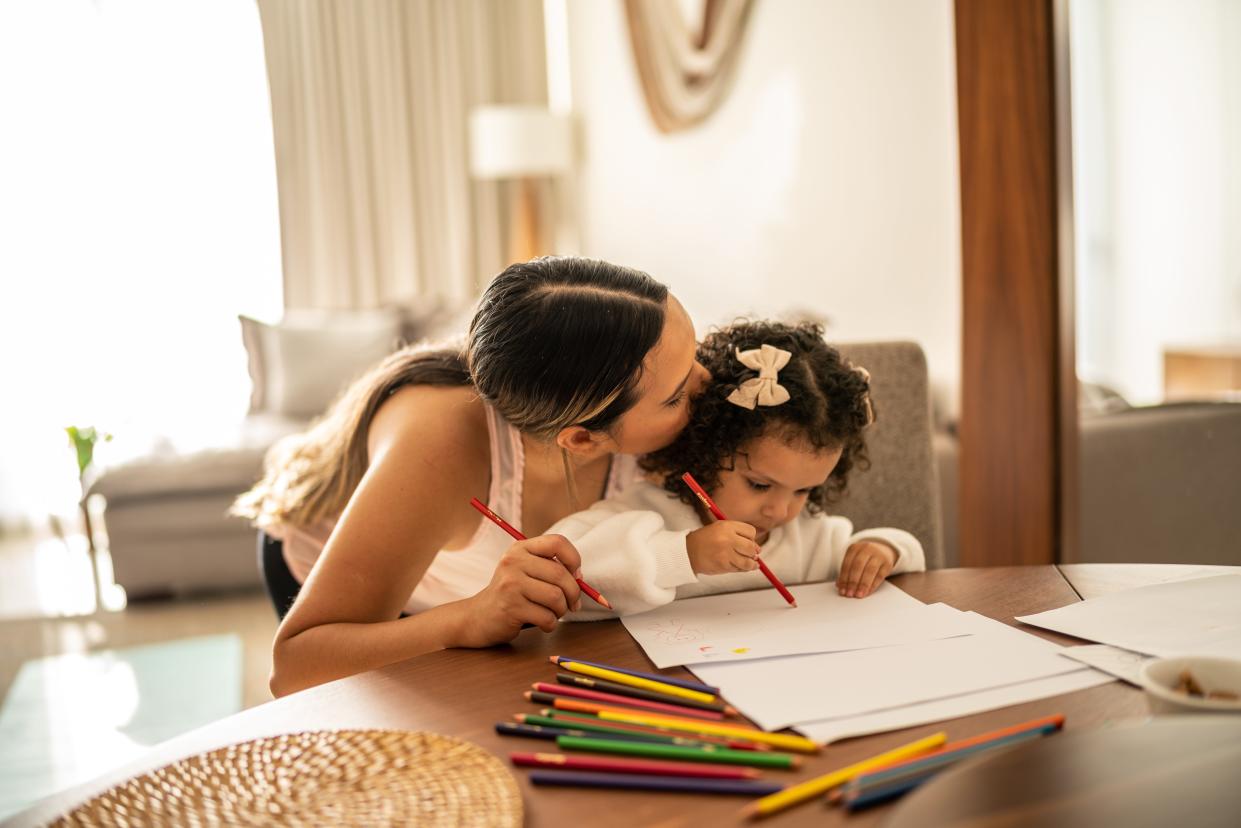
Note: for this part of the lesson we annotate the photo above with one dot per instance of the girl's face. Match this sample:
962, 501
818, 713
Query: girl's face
671, 376
770, 481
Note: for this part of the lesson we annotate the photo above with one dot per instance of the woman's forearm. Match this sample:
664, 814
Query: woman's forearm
330, 651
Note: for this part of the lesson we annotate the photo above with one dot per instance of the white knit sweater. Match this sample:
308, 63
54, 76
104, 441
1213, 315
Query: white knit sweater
633, 551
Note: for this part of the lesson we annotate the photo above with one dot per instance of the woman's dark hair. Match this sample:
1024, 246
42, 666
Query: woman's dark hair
828, 408
560, 341
555, 342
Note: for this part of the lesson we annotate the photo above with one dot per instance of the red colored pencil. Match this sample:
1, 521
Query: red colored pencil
715, 510
656, 766
499, 521
612, 699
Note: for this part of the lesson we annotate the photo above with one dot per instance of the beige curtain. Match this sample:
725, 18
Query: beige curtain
370, 103
685, 68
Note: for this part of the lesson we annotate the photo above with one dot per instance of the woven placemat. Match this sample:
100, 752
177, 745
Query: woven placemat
339, 777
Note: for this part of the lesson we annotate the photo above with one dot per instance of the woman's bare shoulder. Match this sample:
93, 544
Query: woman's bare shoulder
440, 420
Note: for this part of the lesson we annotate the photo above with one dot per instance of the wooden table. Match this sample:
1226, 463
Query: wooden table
464, 692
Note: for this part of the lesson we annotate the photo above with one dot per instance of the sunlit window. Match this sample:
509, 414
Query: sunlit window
138, 217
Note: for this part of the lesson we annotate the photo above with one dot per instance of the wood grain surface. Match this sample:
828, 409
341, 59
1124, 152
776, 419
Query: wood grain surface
464, 692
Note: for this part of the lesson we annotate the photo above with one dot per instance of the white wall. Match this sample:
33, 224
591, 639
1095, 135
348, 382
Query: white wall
827, 181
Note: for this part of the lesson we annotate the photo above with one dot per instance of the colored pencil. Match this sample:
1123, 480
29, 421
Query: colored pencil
589, 729
686, 683
781, 740
822, 784
634, 681
715, 510
499, 521
586, 705
618, 700
642, 782
569, 718
704, 753
941, 760
884, 793
602, 686
1054, 722
551, 733
616, 765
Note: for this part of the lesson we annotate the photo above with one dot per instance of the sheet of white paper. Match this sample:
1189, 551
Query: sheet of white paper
1198, 617
1124, 664
778, 692
966, 704
740, 626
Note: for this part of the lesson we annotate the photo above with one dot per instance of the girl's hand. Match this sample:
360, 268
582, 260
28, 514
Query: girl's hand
723, 547
532, 584
865, 566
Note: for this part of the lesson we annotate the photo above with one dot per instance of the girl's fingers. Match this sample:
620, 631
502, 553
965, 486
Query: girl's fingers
849, 572
870, 575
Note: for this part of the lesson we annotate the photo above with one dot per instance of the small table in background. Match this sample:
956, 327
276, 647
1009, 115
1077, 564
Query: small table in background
1202, 372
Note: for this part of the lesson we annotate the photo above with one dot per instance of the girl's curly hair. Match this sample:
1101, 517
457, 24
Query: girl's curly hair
829, 407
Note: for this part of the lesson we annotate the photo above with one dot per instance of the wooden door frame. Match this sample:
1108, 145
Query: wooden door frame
1018, 427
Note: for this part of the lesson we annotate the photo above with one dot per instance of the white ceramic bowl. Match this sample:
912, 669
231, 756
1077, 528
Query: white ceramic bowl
1159, 676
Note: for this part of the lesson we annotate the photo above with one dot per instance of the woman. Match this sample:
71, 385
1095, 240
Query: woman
571, 367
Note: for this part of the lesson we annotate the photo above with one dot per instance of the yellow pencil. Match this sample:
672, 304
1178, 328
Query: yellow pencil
822, 784
635, 681
783, 740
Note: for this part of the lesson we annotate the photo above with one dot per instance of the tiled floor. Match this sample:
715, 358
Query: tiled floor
83, 691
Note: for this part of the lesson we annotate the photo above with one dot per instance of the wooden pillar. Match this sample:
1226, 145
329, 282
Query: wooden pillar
1018, 399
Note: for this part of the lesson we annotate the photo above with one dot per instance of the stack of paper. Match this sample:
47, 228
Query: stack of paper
1199, 617
838, 667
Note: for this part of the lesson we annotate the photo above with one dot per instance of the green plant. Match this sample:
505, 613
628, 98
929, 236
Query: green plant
83, 441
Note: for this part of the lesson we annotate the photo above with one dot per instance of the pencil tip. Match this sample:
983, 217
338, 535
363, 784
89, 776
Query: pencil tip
521, 717
529, 695
554, 659
604, 601
794, 605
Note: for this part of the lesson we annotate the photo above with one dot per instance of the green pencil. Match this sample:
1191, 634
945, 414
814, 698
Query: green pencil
706, 753
547, 721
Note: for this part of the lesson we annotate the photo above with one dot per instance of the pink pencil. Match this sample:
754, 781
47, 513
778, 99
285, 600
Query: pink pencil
629, 701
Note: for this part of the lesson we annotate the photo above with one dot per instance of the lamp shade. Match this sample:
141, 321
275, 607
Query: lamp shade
517, 141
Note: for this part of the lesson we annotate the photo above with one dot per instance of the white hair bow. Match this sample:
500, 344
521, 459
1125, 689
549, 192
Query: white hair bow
763, 389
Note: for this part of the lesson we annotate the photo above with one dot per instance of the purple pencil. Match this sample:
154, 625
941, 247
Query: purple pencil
645, 782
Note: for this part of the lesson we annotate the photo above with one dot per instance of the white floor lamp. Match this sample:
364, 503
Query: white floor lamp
525, 143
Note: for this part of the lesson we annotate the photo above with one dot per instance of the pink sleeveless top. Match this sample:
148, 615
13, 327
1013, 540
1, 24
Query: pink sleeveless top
459, 573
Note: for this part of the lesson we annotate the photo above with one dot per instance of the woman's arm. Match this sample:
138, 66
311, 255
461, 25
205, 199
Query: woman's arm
428, 455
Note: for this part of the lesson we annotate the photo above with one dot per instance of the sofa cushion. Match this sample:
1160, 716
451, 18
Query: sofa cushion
231, 464
298, 366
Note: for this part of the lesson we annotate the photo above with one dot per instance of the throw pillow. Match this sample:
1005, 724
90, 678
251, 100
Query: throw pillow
299, 366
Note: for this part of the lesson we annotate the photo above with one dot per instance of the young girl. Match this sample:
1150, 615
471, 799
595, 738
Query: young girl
772, 440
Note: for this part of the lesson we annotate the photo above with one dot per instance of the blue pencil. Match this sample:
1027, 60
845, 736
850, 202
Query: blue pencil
943, 760
550, 733
649, 782
688, 685
884, 792
873, 788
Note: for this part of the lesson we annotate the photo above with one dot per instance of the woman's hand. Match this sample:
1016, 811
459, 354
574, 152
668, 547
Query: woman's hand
865, 566
532, 584
724, 546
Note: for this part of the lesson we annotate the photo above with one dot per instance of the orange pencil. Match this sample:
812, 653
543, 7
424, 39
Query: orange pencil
715, 510
499, 521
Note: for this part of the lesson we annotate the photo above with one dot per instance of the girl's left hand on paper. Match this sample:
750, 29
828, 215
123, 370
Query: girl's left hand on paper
865, 566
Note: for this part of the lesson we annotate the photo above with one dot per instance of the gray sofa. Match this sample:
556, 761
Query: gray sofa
1158, 484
